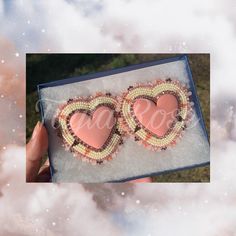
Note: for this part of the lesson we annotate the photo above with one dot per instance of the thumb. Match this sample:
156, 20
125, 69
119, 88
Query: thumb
35, 149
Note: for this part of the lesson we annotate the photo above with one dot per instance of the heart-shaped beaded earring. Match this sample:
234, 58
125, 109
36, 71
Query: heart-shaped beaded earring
89, 127
156, 114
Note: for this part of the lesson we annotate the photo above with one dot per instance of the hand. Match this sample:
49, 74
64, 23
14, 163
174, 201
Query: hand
36, 148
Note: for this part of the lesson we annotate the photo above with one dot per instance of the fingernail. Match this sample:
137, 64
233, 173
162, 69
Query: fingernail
36, 129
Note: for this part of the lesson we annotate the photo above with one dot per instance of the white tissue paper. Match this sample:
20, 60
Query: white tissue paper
132, 160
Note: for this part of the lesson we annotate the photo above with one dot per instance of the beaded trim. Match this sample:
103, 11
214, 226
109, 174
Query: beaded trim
153, 91
126, 121
73, 143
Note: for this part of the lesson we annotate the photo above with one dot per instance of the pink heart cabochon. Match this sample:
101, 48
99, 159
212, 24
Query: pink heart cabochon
156, 117
93, 129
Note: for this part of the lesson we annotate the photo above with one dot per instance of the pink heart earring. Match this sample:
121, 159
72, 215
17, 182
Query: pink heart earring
156, 114
89, 127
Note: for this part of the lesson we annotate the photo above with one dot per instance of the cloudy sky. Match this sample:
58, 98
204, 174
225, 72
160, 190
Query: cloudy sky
118, 26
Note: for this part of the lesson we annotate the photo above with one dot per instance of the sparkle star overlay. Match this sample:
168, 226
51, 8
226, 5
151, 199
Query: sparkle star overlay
117, 26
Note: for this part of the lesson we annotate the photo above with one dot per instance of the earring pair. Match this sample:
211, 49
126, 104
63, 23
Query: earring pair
155, 114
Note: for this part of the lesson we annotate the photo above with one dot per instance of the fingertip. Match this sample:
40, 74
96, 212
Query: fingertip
43, 137
35, 150
38, 144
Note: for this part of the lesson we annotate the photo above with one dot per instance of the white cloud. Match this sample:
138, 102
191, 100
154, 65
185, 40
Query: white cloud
114, 26
124, 26
46, 208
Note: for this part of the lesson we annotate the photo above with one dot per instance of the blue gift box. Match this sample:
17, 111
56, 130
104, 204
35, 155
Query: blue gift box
182, 58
